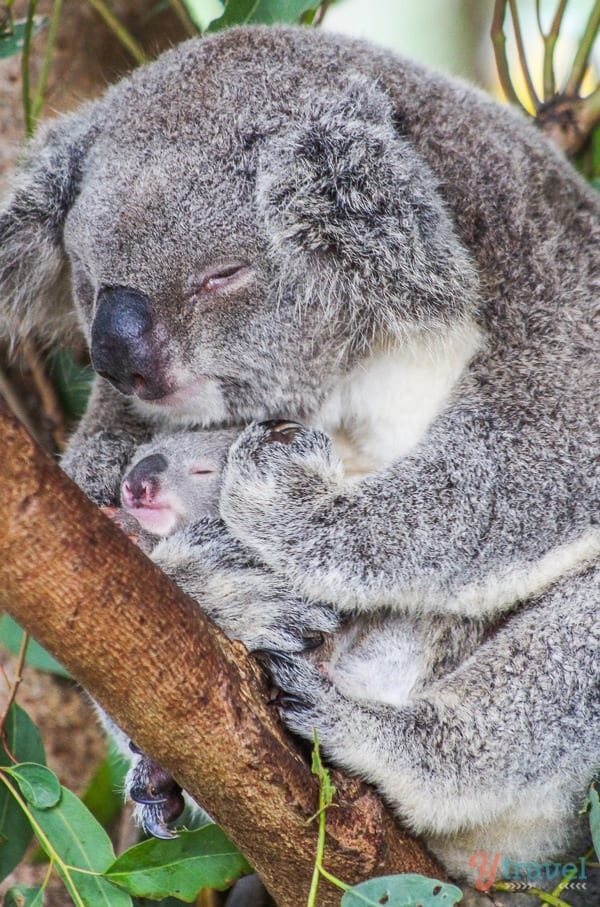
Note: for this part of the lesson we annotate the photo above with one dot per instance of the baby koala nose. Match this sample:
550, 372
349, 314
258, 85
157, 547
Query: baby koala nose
141, 483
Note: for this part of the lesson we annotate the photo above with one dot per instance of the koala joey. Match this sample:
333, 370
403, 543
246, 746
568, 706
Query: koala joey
281, 224
175, 479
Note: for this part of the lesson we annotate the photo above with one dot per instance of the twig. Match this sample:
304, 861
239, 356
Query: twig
25, 68
580, 62
51, 405
118, 29
6, 391
550, 38
40, 90
499, 44
17, 681
535, 101
182, 14
321, 13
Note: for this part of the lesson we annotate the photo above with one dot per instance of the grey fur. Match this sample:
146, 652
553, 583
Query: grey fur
187, 485
383, 214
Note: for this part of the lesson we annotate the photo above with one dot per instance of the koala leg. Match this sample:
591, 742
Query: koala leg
493, 757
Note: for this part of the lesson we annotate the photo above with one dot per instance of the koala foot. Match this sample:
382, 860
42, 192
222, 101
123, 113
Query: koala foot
159, 797
307, 698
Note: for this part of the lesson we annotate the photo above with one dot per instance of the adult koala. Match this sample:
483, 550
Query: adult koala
280, 223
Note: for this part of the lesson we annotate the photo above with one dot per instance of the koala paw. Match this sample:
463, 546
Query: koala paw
307, 698
158, 797
273, 473
130, 526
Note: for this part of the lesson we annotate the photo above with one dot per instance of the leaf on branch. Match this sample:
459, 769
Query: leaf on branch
80, 843
270, 11
23, 742
409, 890
38, 784
594, 801
11, 635
12, 42
180, 867
21, 896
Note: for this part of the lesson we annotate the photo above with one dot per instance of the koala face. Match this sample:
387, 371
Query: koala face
237, 237
175, 479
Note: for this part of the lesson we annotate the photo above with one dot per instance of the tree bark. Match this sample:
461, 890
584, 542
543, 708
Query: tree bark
188, 696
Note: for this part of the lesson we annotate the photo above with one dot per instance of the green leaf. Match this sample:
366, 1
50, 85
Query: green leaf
73, 382
22, 739
237, 12
20, 896
594, 800
12, 42
11, 635
327, 789
408, 890
268, 12
179, 867
25, 744
203, 12
83, 844
102, 795
38, 784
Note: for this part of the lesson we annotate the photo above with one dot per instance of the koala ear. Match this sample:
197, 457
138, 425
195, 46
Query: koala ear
354, 215
34, 275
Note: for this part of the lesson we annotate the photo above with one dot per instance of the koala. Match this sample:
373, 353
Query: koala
283, 224
175, 479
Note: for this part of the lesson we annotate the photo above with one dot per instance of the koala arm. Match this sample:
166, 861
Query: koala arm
103, 444
461, 525
437, 756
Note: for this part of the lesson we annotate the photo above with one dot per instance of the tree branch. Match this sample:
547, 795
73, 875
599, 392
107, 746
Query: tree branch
190, 698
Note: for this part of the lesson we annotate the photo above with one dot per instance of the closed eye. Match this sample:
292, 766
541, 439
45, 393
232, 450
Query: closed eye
223, 280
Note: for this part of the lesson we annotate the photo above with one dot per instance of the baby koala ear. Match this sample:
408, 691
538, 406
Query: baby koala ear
347, 199
35, 291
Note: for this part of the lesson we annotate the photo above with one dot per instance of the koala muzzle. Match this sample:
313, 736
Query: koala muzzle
124, 347
141, 483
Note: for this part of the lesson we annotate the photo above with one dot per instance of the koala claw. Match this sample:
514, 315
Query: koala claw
159, 797
280, 431
154, 822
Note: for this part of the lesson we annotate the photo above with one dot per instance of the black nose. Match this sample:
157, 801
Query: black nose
141, 482
123, 345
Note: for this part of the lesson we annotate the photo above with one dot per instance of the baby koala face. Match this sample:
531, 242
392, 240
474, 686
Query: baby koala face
175, 479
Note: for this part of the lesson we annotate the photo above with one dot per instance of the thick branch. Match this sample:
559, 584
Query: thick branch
184, 693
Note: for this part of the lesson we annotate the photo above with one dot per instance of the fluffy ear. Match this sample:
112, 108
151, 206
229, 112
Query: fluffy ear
34, 276
354, 215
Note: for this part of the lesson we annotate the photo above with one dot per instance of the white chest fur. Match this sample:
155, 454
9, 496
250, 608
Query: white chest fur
382, 408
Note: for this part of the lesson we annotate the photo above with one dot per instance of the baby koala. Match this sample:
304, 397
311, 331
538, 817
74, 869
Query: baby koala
172, 480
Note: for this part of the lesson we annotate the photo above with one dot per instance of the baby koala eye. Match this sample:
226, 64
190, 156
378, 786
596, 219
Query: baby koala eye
223, 280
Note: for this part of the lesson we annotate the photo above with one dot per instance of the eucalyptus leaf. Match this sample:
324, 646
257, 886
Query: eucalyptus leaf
181, 866
38, 784
203, 12
15, 832
21, 896
12, 42
81, 843
237, 12
11, 635
102, 795
24, 743
594, 800
73, 382
268, 12
408, 890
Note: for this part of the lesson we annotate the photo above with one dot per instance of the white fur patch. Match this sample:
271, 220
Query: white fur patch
382, 409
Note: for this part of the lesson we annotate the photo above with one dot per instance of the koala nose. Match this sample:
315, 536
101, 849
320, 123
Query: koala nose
123, 346
141, 484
